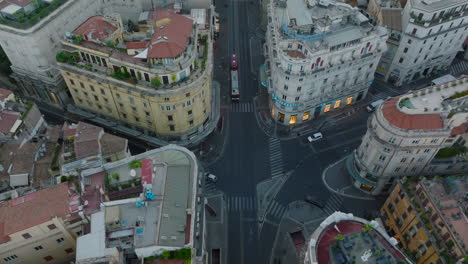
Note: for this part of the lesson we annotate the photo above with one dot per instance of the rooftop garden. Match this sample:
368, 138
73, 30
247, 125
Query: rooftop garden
68, 57
23, 21
181, 254
406, 102
459, 95
450, 152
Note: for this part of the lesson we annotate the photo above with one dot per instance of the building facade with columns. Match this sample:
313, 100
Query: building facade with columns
156, 80
407, 134
32, 42
320, 57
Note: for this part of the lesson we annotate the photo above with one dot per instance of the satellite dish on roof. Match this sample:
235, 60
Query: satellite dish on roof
132, 173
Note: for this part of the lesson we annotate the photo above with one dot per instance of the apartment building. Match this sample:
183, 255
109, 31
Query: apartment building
31, 31
428, 218
425, 37
163, 214
42, 226
320, 57
155, 79
406, 134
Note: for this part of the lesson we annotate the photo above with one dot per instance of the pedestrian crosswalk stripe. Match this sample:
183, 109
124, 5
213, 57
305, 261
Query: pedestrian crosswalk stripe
241, 203
242, 107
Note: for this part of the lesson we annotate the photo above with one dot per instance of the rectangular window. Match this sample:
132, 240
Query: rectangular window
403, 160
38, 248
292, 119
296, 99
376, 168
299, 88
382, 157
405, 50
147, 78
416, 141
305, 116
337, 104
191, 123
168, 108
284, 97
118, 96
349, 100
26, 235
327, 108
189, 112
60, 240
82, 85
170, 118
387, 150
392, 140
434, 140
171, 127
401, 60
397, 169
427, 150
72, 82
285, 87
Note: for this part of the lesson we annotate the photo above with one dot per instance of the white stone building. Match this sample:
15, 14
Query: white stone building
432, 32
320, 56
405, 135
31, 46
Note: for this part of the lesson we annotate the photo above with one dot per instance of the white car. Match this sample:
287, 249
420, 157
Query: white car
212, 177
315, 137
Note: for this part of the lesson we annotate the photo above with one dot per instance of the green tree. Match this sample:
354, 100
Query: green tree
116, 176
156, 82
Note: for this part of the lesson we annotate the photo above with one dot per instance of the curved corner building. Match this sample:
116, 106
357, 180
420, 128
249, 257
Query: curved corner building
320, 56
405, 134
154, 78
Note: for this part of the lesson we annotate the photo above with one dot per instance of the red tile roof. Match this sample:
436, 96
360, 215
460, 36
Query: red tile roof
99, 28
33, 209
136, 45
87, 140
408, 121
7, 120
458, 130
146, 171
4, 93
22, 3
171, 39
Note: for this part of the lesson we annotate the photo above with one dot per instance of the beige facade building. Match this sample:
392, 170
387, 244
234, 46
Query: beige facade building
41, 227
407, 135
155, 79
428, 219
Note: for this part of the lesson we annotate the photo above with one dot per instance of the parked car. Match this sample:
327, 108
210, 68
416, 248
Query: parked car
211, 177
374, 105
315, 137
314, 201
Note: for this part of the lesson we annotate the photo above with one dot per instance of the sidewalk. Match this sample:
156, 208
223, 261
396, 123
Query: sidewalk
282, 132
337, 180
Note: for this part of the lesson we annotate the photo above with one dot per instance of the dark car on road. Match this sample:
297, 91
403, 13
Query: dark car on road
314, 201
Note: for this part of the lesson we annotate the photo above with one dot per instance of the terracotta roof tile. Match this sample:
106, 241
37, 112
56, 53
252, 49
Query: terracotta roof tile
112, 144
4, 93
22, 3
7, 120
33, 209
458, 130
95, 28
170, 39
410, 122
